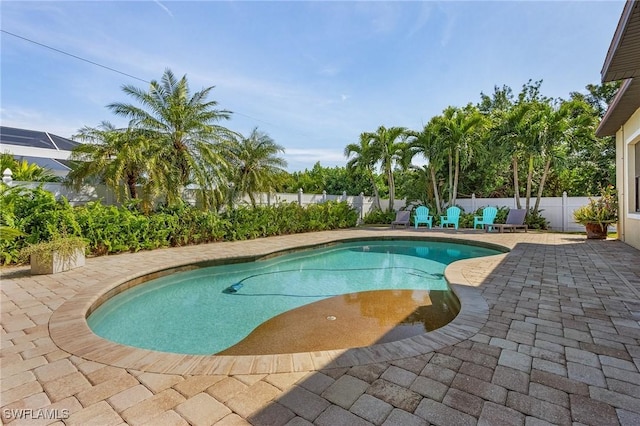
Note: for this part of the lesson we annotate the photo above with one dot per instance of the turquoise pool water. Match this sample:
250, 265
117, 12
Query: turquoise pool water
207, 310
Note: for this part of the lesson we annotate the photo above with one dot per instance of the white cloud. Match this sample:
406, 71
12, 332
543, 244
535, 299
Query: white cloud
315, 154
421, 19
163, 7
32, 119
329, 71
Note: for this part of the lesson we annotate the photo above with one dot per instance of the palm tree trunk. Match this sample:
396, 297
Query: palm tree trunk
131, 184
376, 197
376, 193
455, 178
450, 178
392, 188
435, 191
543, 179
516, 185
529, 182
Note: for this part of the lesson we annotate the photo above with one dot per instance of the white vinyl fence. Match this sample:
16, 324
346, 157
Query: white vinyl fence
364, 204
83, 196
558, 211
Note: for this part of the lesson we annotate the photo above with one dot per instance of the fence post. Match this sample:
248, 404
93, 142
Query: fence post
324, 196
300, 196
269, 199
473, 202
344, 195
361, 206
565, 212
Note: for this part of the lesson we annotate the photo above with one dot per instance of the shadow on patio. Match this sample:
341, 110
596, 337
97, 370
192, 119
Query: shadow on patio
560, 344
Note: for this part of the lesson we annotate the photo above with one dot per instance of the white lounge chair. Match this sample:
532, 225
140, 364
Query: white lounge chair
403, 217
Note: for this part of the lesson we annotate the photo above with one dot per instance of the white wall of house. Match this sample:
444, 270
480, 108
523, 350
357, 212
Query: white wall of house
628, 173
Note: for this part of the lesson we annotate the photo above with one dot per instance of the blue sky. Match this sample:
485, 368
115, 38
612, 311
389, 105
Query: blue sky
312, 75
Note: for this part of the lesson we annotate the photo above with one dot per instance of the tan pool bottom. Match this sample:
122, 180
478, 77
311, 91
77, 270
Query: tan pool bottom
351, 320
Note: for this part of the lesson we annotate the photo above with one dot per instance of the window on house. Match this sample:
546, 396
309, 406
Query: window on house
637, 193
636, 148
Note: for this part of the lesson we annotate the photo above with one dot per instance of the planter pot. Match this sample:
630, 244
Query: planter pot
596, 231
41, 265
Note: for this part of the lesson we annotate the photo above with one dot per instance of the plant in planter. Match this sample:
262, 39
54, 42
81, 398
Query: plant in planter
598, 214
58, 255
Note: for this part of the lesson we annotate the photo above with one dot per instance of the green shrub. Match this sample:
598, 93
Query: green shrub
36, 216
378, 216
501, 216
246, 222
32, 216
535, 220
604, 210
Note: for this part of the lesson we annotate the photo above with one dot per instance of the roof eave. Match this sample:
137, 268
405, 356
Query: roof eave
625, 103
614, 67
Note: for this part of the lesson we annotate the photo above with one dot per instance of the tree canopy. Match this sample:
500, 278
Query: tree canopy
523, 145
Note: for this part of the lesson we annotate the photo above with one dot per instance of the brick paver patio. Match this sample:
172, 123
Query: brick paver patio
549, 334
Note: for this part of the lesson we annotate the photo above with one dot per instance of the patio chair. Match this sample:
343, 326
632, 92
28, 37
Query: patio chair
452, 217
487, 218
515, 220
422, 216
403, 217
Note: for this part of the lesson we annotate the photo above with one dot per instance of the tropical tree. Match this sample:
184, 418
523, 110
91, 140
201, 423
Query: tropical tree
599, 96
389, 147
183, 130
502, 99
363, 157
459, 130
254, 164
508, 133
557, 129
429, 144
114, 157
591, 163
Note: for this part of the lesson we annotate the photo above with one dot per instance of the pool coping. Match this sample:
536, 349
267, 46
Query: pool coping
70, 332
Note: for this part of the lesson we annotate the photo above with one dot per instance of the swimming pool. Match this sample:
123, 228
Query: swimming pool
211, 310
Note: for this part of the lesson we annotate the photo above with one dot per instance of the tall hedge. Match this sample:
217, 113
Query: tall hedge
111, 229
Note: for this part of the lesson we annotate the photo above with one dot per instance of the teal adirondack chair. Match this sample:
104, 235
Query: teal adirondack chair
452, 217
422, 216
487, 218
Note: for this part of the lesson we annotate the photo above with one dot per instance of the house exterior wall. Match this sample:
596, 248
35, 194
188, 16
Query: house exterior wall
627, 171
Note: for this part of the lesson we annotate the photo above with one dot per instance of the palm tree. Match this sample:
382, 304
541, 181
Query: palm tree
183, 130
459, 130
114, 156
364, 158
559, 128
509, 131
254, 164
429, 144
389, 148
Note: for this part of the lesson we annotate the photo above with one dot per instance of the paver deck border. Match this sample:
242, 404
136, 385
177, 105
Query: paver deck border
69, 329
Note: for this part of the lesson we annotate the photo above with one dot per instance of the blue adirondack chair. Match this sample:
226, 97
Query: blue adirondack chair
487, 218
422, 216
452, 217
